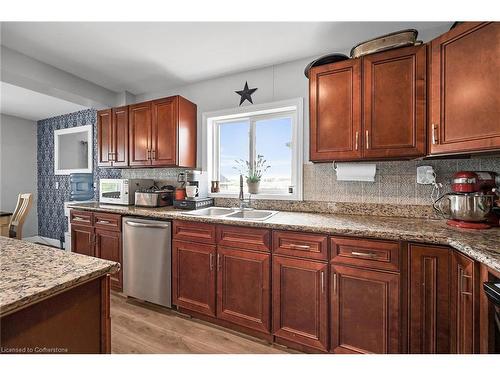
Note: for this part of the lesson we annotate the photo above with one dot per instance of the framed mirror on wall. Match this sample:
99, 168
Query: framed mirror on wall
73, 150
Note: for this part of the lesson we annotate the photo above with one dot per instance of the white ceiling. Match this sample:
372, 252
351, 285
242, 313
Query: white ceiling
31, 105
147, 57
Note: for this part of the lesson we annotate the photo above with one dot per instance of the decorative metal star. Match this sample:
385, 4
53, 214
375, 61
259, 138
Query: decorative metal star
246, 94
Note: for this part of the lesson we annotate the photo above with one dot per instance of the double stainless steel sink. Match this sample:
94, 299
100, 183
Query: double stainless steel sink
233, 213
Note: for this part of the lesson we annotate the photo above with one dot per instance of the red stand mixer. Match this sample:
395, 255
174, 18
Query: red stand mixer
471, 204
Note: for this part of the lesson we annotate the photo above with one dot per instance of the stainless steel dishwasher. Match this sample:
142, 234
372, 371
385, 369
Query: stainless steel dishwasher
147, 250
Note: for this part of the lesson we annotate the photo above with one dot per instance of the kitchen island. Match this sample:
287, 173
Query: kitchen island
52, 301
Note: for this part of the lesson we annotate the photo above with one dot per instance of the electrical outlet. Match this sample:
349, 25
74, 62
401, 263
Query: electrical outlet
426, 175
57, 185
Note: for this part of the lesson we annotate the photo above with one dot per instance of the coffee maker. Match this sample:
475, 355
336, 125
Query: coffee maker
472, 202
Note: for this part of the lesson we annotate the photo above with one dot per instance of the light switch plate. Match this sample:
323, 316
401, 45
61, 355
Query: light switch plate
426, 175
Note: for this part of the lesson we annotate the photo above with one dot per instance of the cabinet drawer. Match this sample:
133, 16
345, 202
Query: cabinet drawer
108, 221
244, 237
81, 217
194, 231
303, 245
377, 254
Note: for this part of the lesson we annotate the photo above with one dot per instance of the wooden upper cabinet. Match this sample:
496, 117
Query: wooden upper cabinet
465, 77
104, 138
394, 91
140, 130
365, 311
335, 111
164, 132
120, 137
429, 308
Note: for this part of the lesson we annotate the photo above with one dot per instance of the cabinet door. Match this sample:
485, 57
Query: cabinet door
120, 136
365, 311
194, 276
82, 240
429, 283
164, 132
394, 88
465, 105
243, 288
300, 301
104, 138
108, 245
463, 312
140, 134
335, 111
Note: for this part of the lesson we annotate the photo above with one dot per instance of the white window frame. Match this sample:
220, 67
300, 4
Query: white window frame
291, 107
77, 129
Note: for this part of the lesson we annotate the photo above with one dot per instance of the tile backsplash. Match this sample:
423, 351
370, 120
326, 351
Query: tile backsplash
395, 181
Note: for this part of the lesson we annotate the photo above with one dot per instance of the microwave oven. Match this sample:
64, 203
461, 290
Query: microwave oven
121, 190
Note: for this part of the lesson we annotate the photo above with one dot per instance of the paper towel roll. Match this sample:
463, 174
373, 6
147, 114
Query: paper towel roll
356, 171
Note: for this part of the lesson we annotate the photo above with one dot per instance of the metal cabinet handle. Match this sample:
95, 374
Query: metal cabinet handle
322, 282
78, 218
359, 254
334, 283
367, 139
357, 141
153, 153
103, 222
219, 263
301, 247
211, 262
462, 279
142, 225
149, 154
435, 138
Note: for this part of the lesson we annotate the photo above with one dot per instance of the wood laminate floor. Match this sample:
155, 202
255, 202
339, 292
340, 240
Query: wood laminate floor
138, 327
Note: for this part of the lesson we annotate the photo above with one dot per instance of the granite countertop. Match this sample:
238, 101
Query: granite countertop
483, 245
30, 272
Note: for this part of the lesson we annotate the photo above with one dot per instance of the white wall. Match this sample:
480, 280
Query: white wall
18, 171
279, 82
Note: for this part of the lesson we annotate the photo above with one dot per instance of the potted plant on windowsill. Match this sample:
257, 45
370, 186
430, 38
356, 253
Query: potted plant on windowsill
253, 173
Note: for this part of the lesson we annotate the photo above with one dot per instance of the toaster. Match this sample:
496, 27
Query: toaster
155, 197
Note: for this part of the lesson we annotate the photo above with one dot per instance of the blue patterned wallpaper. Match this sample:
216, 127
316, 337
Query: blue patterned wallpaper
51, 222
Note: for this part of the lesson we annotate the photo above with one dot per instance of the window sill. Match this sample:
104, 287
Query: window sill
278, 197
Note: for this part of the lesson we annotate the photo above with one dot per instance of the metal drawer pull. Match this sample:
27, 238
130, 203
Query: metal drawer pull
77, 218
322, 282
301, 247
103, 222
219, 264
434, 136
367, 255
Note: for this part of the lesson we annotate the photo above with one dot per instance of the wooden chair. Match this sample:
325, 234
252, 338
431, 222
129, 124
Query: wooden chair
24, 202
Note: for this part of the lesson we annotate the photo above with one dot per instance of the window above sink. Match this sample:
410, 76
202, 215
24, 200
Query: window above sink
273, 130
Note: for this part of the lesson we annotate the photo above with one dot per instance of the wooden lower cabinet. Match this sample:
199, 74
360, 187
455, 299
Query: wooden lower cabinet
243, 288
464, 305
429, 310
194, 276
98, 235
365, 311
300, 301
108, 245
82, 240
